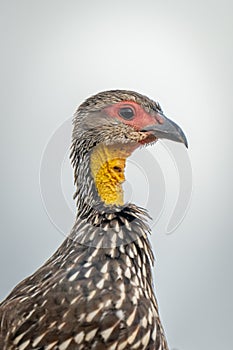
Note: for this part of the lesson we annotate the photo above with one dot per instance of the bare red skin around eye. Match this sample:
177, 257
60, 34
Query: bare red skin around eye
141, 118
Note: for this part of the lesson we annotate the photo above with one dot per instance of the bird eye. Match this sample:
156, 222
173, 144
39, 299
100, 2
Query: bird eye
126, 113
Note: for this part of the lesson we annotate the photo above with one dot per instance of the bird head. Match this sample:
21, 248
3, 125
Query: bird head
108, 127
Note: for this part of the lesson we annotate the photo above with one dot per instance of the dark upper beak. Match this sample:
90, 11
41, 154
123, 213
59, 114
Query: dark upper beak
167, 129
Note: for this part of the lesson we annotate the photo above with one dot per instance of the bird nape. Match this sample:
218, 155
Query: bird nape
96, 291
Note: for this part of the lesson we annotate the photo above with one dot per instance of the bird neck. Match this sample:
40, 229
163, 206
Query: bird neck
99, 175
99, 224
107, 164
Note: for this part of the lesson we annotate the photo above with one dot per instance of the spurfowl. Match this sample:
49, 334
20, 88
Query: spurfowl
96, 291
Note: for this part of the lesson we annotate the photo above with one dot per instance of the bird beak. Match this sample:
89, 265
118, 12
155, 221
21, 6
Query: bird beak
167, 129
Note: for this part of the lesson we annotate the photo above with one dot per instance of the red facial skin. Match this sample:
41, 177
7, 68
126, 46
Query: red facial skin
141, 118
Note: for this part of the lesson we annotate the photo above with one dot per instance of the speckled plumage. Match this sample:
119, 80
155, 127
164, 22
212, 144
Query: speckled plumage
96, 291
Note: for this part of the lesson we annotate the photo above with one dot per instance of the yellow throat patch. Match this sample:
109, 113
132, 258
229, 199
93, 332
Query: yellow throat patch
107, 167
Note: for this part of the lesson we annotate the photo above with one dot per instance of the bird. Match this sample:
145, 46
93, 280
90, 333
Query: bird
96, 291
